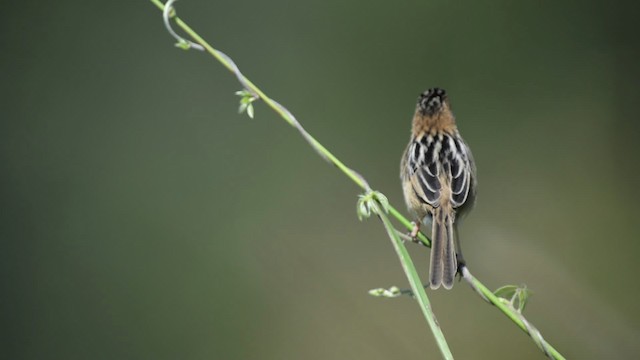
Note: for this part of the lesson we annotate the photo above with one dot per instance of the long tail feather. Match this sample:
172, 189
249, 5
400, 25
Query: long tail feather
449, 259
438, 237
443, 256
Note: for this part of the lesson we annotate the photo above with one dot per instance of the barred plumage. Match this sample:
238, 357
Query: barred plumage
438, 176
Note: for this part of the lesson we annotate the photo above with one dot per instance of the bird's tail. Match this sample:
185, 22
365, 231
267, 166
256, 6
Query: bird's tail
443, 254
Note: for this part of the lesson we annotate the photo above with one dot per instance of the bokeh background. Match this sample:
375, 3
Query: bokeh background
143, 218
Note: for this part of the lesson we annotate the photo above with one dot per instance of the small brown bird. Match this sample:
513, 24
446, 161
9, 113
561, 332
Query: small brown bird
439, 182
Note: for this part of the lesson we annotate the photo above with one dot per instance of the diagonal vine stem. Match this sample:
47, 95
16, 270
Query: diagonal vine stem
414, 281
416, 285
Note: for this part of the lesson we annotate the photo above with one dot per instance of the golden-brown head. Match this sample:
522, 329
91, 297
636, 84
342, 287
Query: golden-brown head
433, 114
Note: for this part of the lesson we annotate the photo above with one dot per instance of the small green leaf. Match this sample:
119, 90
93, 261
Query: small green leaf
506, 292
523, 294
384, 202
516, 296
362, 207
392, 292
183, 45
368, 204
250, 110
246, 98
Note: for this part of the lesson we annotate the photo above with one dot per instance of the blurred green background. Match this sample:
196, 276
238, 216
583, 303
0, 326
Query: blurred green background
143, 218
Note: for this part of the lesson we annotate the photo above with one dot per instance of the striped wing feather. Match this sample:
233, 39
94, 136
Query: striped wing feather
430, 156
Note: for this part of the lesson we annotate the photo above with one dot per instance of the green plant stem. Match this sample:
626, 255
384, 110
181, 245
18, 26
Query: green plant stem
415, 283
512, 314
481, 289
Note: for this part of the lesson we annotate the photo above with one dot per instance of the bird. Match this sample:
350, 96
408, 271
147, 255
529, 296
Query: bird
438, 176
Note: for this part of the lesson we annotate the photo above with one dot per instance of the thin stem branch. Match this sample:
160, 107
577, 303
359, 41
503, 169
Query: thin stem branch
407, 264
512, 314
415, 283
